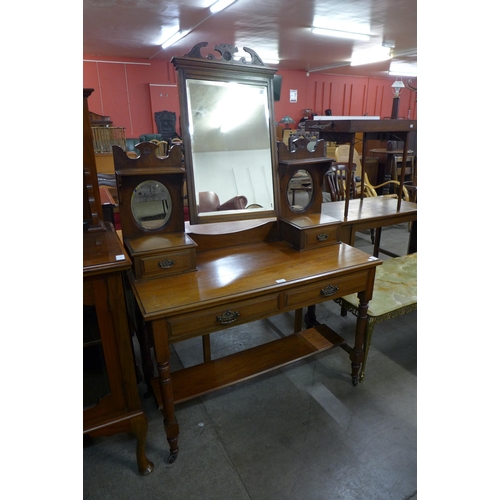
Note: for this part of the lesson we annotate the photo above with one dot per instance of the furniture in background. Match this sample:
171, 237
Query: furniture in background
162, 147
335, 182
344, 131
209, 202
394, 294
165, 123
110, 395
108, 203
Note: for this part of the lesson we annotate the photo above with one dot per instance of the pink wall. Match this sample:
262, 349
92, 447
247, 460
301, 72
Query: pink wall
132, 90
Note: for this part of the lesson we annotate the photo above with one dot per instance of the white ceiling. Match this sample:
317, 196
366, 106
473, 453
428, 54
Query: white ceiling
137, 28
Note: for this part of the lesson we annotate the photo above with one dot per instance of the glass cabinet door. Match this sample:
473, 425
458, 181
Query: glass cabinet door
102, 389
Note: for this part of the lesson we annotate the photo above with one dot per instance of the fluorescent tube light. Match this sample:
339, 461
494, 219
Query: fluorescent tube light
341, 34
403, 73
174, 38
371, 56
220, 5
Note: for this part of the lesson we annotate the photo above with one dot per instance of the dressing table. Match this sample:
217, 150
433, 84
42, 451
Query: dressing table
245, 266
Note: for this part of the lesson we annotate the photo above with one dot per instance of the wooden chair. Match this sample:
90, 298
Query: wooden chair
336, 182
162, 148
342, 155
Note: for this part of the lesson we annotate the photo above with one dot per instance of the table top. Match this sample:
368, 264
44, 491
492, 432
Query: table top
353, 126
368, 209
103, 252
391, 152
244, 271
106, 196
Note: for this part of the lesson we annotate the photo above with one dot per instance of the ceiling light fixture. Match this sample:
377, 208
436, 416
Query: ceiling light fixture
174, 38
220, 5
341, 34
378, 54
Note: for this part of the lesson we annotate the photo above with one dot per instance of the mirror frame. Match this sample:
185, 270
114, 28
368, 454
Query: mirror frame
194, 66
131, 172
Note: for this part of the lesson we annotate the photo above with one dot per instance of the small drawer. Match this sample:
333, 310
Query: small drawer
217, 318
165, 263
310, 231
321, 236
329, 289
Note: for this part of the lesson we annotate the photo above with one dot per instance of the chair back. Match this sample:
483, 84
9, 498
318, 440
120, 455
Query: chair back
161, 148
342, 155
335, 180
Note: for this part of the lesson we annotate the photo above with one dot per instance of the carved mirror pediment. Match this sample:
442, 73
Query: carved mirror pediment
227, 120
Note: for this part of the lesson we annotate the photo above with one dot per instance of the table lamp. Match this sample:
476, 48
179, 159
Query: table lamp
287, 120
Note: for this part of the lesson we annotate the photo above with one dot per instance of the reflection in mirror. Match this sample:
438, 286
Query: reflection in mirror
300, 191
230, 143
151, 205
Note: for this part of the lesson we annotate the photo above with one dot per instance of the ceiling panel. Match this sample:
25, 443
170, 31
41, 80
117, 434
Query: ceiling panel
273, 28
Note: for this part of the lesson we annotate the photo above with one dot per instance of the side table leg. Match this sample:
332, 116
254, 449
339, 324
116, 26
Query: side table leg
162, 351
140, 429
357, 352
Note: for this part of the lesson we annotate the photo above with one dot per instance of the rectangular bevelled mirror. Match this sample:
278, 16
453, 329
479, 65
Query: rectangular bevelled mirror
227, 121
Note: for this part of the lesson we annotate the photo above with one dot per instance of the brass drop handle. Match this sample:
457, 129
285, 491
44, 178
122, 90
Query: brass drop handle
322, 236
329, 290
228, 317
166, 264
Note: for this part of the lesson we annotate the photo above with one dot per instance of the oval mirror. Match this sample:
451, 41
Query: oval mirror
151, 205
300, 190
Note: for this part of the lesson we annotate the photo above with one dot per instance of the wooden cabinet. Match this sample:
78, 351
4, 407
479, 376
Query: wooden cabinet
110, 394
111, 402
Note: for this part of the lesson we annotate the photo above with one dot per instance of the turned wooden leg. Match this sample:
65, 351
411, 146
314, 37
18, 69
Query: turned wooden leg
357, 352
140, 429
368, 340
145, 348
166, 389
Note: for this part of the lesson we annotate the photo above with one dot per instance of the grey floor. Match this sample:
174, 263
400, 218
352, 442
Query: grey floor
301, 432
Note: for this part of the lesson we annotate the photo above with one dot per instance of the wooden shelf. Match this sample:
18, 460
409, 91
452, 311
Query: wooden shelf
204, 378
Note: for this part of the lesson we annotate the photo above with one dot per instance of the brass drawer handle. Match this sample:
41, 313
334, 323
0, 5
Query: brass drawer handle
228, 317
329, 290
322, 236
166, 264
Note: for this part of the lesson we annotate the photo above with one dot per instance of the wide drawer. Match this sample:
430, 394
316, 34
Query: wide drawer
224, 316
327, 289
165, 263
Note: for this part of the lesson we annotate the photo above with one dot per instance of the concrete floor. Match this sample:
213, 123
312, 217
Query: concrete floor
301, 432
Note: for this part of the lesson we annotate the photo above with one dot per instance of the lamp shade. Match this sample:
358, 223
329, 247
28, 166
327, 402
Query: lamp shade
397, 86
286, 119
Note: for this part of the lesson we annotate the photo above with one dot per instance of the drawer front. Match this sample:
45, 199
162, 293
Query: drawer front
165, 264
326, 290
220, 317
322, 236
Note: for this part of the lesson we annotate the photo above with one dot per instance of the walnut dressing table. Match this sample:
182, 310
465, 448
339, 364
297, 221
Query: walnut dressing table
239, 284
230, 268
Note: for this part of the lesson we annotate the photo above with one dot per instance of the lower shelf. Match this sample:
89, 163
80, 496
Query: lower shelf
207, 377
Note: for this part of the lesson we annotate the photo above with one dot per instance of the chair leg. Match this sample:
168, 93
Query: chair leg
368, 340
